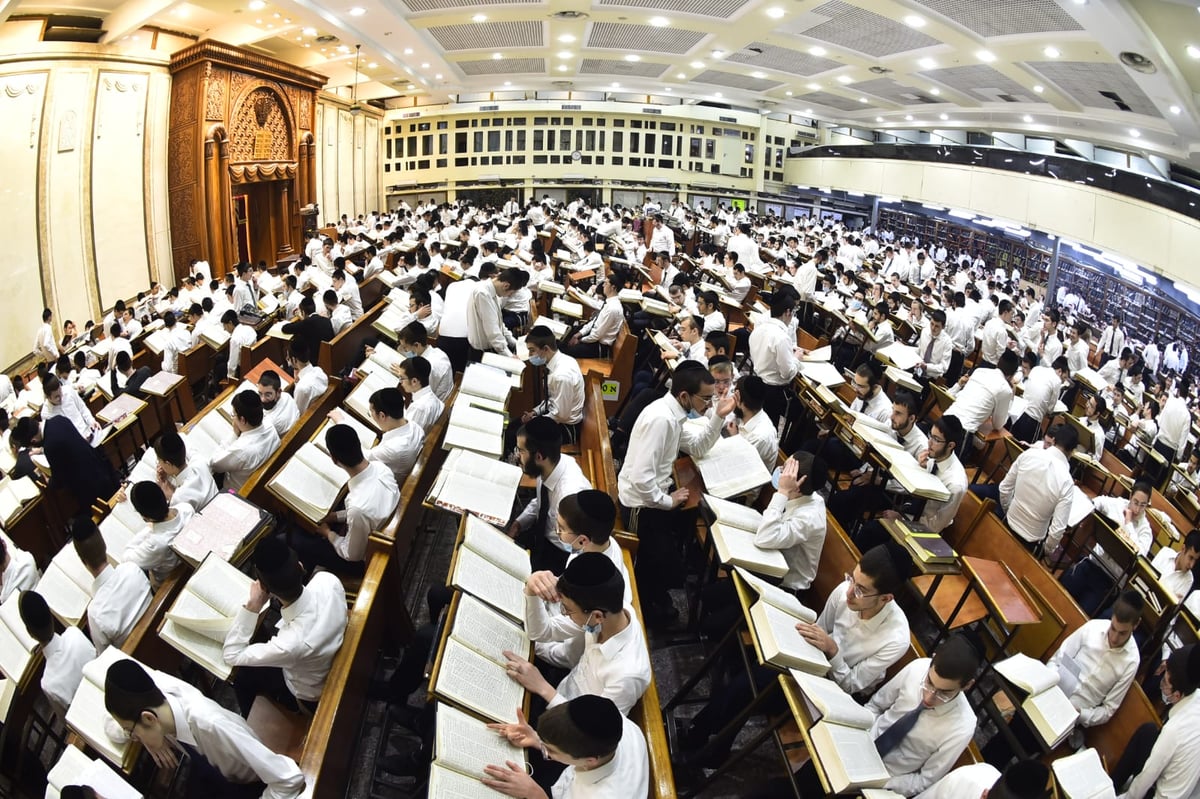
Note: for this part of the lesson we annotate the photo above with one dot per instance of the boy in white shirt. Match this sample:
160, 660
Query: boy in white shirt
120, 594
18, 571
65, 654
150, 548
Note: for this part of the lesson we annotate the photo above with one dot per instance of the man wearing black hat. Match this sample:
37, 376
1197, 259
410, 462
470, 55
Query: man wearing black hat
604, 753
165, 714
1023, 779
65, 654
292, 666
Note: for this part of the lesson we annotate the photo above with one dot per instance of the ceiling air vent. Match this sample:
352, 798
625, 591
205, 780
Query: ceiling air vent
72, 28
730, 120
328, 38
569, 15
571, 107
647, 110
1138, 62
562, 84
878, 70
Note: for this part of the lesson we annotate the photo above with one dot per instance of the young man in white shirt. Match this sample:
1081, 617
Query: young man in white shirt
1040, 388
486, 331
62, 400
424, 407
564, 386
1024, 779
347, 293
120, 594
996, 333
982, 400
371, 499
1175, 567
1091, 580
311, 380
18, 571
252, 444
65, 654
775, 355
400, 441
178, 342
241, 336
1095, 665
870, 399
291, 666
182, 479
150, 548
603, 751
413, 341
1036, 493
164, 714
539, 449
279, 407
45, 348
596, 338
751, 422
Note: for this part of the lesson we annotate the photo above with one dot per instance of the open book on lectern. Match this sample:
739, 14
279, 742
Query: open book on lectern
490, 566
841, 736
204, 611
775, 627
471, 670
462, 746
733, 531
1049, 710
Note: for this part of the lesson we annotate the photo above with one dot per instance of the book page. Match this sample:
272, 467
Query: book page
87, 715
24, 489
470, 418
16, 645
445, 783
731, 514
310, 486
489, 444
836, 706
107, 782
220, 526
71, 763
199, 647
119, 526
487, 581
822, 373
782, 645
9, 504
195, 614
497, 547
485, 381
486, 631
366, 436
481, 485
849, 756
1082, 776
465, 744
478, 683
1052, 714
774, 595
1024, 672
731, 467
514, 366
64, 596
220, 584
736, 546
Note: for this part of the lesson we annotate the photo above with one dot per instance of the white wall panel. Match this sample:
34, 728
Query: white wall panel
345, 164
65, 202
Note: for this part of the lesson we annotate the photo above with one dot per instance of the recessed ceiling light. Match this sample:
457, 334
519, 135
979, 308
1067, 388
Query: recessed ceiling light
633, 57
497, 56
357, 11
814, 86
1027, 119
306, 44
1176, 110
845, 79
878, 119
759, 75
817, 51
1039, 88
372, 65
270, 27
257, 5
718, 95
437, 76
258, 22
775, 12
345, 48
408, 51
808, 111
862, 99
616, 85
1051, 52
697, 65
943, 117
479, 18
424, 65
1135, 133
1193, 51
277, 15
564, 54
309, 31
986, 56
927, 63
660, 22
788, 93
913, 21
935, 91
566, 38
1081, 2
508, 83
669, 89
908, 117
411, 87
563, 67
681, 75
718, 53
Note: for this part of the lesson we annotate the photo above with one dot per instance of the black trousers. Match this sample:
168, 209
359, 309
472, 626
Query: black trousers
659, 564
314, 551
1026, 428
1136, 753
456, 348
254, 681
588, 349
850, 505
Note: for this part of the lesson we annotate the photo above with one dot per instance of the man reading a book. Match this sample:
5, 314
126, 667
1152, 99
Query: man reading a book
539, 449
150, 548
120, 594
65, 654
562, 401
1095, 665
400, 441
1023, 779
603, 751
289, 667
311, 380
424, 407
167, 715
371, 500
252, 444
279, 408
413, 341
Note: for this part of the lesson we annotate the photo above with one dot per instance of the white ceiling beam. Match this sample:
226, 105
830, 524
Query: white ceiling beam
130, 16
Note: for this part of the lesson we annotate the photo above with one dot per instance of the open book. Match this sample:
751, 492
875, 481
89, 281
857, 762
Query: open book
470, 482
1050, 712
383, 356
222, 526
118, 409
733, 535
215, 336
358, 401
87, 716
16, 645
478, 683
310, 483
204, 611
207, 435
14, 494
585, 299
480, 628
514, 367
122, 524
486, 382
76, 768
1082, 776
567, 308
821, 373
66, 585
161, 383
462, 747
731, 467
841, 737
366, 435
781, 645
778, 597
899, 355
491, 567
476, 429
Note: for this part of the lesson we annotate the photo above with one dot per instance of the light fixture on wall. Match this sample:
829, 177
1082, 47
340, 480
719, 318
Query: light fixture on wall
355, 108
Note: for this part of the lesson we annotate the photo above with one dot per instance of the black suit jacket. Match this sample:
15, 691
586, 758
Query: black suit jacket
314, 329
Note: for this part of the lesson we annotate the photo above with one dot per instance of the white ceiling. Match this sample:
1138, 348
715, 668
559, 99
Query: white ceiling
1035, 66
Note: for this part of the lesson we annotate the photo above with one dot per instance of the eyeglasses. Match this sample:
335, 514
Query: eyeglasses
936, 439
708, 401
938, 695
859, 591
1138, 503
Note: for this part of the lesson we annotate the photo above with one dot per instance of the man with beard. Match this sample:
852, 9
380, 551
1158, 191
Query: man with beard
279, 407
539, 447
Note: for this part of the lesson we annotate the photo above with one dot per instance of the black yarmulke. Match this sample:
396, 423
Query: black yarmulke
34, 611
597, 504
596, 716
271, 555
590, 569
1027, 778
127, 676
83, 528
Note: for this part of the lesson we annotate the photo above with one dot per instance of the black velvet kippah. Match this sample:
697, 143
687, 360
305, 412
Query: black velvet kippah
590, 569
595, 716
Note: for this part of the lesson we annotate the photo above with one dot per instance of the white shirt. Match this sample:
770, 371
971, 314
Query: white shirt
1041, 389
761, 432
939, 359
370, 501
965, 782
866, 647
454, 313
241, 337
311, 382
1176, 581
627, 774
120, 595
398, 449
1107, 673
1036, 495
646, 474
1077, 355
227, 742
796, 527
994, 340
1112, 341
877, 406
931, 747
239, 457
424, 409
604, 327
21, 573
305, 642
939, 515
565, 479
564, 390
74, 409
66, 656
772, 351
340, 318
986, 396
1174, 424
441, 373
44, 345
1173, 770
178, 341
283, 416
150, 548
485, 326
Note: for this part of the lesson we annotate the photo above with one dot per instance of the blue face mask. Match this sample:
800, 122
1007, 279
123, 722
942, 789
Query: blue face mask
537, 360
693, 413
591, 629
775, 475
409, 354
855, 304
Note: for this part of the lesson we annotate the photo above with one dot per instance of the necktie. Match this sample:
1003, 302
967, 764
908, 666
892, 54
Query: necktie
543, 510
934, 470
894, 734
900, 438
929, 351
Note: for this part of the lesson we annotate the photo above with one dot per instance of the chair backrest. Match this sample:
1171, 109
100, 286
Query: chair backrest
335, 355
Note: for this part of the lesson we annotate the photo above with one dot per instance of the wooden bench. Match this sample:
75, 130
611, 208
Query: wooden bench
334, 356
371, 291
618, 368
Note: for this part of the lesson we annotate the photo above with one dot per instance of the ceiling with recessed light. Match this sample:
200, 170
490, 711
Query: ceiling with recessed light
1120, 72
